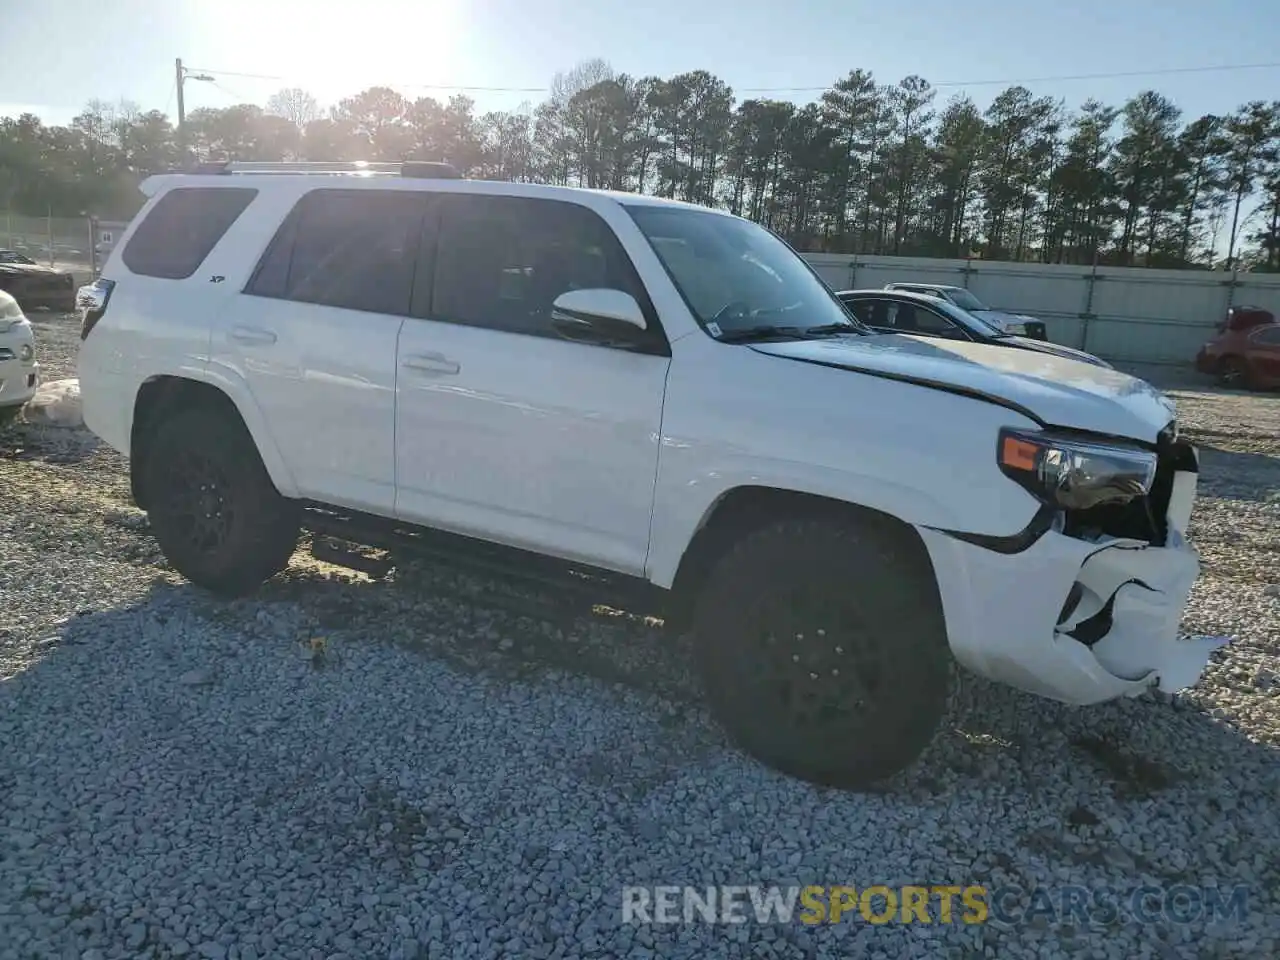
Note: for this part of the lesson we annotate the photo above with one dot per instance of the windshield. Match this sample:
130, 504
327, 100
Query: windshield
966, 300
735, 275
973, 320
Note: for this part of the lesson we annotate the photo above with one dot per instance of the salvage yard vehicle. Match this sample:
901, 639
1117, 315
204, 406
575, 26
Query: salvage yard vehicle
19, 370
1246, 350
918, 314
34, 285
1013, 323
657, 405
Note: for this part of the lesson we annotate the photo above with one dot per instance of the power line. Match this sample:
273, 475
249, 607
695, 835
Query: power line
1057, 79
1113, 75
415, 86
229, 92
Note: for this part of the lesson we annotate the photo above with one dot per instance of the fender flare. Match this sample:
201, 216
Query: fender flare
238, 394
671, 539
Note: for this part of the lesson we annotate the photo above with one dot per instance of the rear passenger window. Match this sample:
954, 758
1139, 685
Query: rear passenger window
182, 228
503, 261
355, 249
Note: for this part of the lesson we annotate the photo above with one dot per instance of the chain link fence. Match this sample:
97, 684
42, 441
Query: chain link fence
80, 245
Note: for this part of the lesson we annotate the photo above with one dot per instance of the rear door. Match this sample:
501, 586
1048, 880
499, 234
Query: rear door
1264, 349
314, 337
167, 289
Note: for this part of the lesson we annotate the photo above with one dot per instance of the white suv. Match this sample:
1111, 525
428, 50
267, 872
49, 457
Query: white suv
647, 398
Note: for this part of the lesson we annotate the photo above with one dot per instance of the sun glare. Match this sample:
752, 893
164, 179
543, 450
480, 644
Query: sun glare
335, 48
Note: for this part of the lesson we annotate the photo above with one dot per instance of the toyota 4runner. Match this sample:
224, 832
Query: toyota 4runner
641, 397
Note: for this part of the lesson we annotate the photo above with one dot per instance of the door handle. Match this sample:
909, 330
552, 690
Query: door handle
252, 335
431, 363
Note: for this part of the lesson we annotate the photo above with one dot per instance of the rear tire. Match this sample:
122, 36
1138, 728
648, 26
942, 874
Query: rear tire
823, 650
212, 505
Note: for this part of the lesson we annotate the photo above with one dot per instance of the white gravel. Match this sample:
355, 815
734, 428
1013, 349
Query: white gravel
444, 778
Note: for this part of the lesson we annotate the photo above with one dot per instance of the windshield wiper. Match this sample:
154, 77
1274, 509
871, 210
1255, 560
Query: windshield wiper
830, 328
774, 331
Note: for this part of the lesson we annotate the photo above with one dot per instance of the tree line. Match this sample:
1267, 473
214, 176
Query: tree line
866, 168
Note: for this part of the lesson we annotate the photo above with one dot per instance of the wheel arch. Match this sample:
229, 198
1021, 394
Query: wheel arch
741, 509
164, 395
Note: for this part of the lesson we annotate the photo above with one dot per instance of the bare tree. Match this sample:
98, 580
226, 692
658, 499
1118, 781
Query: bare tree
295, 105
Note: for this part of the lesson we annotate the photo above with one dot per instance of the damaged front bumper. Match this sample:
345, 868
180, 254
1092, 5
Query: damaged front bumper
1074, 619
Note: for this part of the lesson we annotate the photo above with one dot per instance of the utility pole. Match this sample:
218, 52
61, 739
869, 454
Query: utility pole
180, 76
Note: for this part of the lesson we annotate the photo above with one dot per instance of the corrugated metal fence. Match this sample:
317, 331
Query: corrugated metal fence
1128, 314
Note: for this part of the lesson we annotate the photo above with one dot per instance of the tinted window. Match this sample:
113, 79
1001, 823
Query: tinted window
927, 321
502, 261
346, 248
1270, 337
181, 229
862, 309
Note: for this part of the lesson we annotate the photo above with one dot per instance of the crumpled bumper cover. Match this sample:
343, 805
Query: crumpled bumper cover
1080, 621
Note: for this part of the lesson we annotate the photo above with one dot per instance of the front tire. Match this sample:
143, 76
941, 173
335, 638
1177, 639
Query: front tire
1233, 373
823, 650
212, 506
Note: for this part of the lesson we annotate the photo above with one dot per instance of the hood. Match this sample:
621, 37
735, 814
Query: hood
1001, 318
1055, 390
1057, 349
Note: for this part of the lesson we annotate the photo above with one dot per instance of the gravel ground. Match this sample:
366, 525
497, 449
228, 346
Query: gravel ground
445, 777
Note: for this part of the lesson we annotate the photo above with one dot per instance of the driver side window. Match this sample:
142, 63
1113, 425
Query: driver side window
503, 261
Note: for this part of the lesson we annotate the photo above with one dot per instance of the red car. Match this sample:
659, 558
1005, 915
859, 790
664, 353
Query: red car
1246, 351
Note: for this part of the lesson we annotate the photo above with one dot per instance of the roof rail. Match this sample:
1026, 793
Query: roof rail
408, 168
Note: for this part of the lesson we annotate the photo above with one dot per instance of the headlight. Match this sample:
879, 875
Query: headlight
1019, 328
1076, 474
25, 353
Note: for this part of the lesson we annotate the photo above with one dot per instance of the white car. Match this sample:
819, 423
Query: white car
648, 400
19, 371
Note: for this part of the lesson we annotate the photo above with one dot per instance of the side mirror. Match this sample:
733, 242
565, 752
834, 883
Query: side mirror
598, 315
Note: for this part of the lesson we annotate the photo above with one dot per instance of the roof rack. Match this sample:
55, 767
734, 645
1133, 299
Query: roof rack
409, 168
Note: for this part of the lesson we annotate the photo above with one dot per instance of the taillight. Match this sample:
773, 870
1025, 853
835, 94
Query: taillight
93, 300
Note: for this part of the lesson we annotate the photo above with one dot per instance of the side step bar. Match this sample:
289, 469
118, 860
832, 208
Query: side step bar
588, 585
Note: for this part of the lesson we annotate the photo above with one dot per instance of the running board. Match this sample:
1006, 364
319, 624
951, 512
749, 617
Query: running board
587, 585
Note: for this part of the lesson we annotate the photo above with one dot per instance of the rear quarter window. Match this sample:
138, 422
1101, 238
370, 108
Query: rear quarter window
182, 228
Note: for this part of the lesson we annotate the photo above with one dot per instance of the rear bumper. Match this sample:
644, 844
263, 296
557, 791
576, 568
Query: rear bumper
107, 405
1079, 621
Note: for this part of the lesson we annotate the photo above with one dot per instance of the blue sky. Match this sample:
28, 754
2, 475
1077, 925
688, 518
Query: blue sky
60, 53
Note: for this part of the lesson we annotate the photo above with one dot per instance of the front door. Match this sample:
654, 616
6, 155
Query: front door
504, 430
